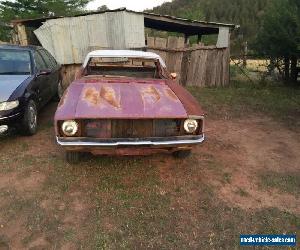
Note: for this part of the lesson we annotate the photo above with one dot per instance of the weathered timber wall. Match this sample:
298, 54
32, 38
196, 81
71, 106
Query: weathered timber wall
198, 65
69, 73
195, 66
69, 39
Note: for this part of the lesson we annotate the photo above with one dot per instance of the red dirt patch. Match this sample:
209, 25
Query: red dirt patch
21, 183
260, 145
170, 196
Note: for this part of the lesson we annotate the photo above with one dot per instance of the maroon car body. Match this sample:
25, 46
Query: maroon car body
124, 111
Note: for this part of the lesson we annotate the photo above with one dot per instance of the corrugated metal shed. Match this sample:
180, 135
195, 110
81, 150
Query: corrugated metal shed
69, 39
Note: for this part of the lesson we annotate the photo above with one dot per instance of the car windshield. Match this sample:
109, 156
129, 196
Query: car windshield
14, 62
123, 67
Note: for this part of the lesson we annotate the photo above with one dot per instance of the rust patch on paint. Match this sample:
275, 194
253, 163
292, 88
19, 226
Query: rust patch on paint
109, 95
151, 94
171, 95
92, 96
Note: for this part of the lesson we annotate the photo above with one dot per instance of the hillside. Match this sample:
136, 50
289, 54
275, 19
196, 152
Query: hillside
246, 13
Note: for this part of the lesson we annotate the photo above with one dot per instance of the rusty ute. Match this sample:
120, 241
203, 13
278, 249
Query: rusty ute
125, 102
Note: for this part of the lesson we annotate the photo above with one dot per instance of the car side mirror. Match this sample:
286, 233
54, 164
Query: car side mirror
173, 76
44, 72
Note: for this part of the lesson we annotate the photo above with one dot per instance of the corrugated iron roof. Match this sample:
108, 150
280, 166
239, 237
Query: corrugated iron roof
146, 14
70, 39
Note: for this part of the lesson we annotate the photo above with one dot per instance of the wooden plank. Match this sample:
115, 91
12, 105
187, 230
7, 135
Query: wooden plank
191, 66
196, 66
194, 47
201, 72
202, 68
161, 43
171, 56
226, 63
22, 35
174, 59
150, 41
184, 67
219, 68
68, 73
208, 70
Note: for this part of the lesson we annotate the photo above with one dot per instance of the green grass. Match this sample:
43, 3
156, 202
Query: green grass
242, 192
284, 182
144, 202
244, 98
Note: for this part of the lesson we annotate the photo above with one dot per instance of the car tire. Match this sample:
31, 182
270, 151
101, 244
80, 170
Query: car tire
29, 122
182, 154
59, 92
73, 157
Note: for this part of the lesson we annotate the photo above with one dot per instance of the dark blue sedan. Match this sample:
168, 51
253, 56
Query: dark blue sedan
29, 78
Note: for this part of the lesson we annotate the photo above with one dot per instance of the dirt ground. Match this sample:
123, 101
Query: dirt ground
244, 179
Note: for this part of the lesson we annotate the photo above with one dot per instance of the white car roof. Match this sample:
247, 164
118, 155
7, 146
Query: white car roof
123, 53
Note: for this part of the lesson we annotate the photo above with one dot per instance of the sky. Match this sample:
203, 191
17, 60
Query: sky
137, 5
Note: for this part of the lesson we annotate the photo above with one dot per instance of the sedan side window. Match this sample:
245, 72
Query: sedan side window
40, 64
48, 62
51, 58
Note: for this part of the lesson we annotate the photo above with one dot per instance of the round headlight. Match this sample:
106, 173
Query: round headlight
190, 125
70, 128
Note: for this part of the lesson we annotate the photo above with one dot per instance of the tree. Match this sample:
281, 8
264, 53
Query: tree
20, 9
279, 36
246, 13
103, 8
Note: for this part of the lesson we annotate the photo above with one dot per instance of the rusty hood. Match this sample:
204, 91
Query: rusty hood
90, 98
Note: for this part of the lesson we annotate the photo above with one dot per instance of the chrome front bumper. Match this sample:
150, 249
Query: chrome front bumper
157, 141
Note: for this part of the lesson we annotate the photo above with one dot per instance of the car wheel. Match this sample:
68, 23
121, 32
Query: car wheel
59, 92
182, 154
29, 123
73, 157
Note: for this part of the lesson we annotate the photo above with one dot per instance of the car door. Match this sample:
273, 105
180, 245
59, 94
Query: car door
41, 85
54, 77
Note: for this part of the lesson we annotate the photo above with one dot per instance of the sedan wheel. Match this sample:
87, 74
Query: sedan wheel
182, 154
29, 124
73, 157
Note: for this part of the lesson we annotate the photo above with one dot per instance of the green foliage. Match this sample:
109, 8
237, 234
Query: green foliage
246, 13
279, 35
103, 8
19, 9
190, 9
40, 8
234, 71
4, 32
245, 98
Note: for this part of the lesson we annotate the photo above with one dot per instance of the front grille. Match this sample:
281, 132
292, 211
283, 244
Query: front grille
131, 128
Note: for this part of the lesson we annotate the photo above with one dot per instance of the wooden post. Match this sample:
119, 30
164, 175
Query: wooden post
294, 72
245, 55
22, 35
186, 40
199, 38
287, 68
185, 61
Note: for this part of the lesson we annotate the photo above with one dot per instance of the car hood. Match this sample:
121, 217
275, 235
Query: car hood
119, 99
8, 84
